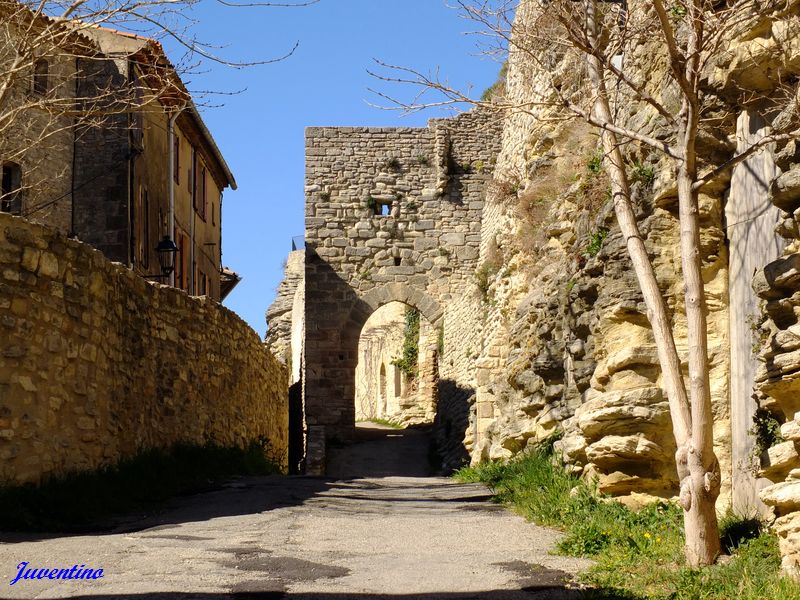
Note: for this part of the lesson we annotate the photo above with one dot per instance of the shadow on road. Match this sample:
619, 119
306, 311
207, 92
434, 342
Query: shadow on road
542, 592
376, 452
379, 451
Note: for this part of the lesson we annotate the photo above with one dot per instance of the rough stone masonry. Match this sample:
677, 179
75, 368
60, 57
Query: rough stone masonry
97, 363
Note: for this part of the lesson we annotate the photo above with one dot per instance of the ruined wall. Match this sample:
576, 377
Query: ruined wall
97, 363
423, 251
383, 389
280, 318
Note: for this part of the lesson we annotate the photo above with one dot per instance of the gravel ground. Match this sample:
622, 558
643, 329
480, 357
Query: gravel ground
379, 528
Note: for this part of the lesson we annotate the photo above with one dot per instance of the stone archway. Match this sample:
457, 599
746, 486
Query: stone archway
332, 353
391, 215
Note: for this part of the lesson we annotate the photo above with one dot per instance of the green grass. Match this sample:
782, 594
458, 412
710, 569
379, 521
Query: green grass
639, 555
81, 501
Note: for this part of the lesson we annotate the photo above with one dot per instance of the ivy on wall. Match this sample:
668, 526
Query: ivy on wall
407, 363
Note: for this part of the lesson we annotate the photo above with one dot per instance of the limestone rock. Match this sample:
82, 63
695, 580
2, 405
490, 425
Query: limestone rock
779, 460
611, 449
622, 412
788, 530
786, 190
785, 496
791, 430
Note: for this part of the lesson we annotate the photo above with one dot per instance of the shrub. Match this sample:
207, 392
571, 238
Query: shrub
642, 173
767, 431
595, 164
596, 240
392, 164
638, 555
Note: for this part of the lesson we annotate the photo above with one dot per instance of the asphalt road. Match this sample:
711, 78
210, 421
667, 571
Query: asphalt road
381, 529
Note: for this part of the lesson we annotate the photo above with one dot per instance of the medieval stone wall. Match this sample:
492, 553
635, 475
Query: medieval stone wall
391, 215
97, 364
280, 319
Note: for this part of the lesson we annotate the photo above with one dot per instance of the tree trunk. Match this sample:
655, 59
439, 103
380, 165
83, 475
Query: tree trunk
698, 469
657, 312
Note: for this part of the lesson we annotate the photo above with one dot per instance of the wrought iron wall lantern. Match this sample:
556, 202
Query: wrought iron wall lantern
166, 250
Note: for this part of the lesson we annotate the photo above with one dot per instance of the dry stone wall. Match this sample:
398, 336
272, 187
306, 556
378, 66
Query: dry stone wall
97, 364
777, 338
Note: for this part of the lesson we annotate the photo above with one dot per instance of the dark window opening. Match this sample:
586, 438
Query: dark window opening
200, 189
40, 77
396, 261
10, 195
398, 384
143, 228
177, 161
382, 209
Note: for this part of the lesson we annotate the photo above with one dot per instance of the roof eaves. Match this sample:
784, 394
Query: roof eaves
212, 144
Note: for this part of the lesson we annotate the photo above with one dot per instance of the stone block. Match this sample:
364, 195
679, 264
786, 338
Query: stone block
783, 273
453, 239
30, 259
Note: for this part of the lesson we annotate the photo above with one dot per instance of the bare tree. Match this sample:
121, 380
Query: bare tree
49, 48
578, 49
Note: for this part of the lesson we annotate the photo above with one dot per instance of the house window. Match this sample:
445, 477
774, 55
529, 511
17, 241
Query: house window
177, 160
190, 173
10, 195
41, 84
143, 228
200, 196
213, 214
182, 261
201, 283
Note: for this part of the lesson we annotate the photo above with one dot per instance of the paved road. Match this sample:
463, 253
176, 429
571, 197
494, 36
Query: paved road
381, 530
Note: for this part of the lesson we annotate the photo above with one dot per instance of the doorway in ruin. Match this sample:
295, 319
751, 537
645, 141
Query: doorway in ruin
396, 374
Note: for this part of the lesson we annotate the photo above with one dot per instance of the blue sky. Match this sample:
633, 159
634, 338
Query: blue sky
260, 130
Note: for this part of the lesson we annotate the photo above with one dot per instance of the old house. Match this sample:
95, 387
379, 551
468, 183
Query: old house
137, 165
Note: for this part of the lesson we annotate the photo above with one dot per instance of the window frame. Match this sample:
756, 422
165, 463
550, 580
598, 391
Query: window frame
11, 188
40, 84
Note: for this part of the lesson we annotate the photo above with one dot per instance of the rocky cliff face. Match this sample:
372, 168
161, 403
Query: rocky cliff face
567, 347
570, 350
